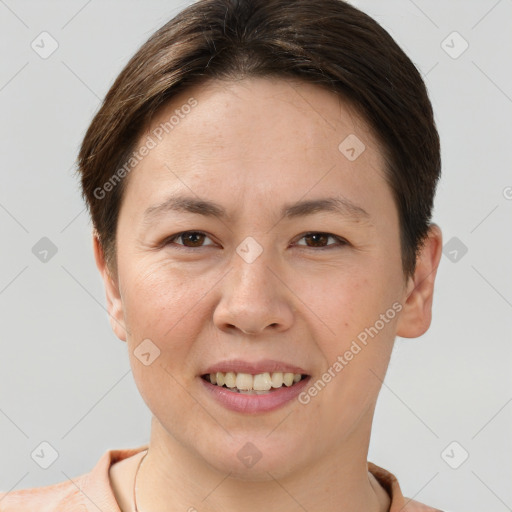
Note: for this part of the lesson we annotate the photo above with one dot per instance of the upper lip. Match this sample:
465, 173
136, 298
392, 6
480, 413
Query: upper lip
253, 368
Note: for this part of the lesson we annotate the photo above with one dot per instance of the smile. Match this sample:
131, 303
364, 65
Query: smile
254, 394
261, 383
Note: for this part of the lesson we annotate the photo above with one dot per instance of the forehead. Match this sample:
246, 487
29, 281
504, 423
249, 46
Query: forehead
269, 105
258, 137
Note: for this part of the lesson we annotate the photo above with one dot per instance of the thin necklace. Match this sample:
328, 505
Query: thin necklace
135, 482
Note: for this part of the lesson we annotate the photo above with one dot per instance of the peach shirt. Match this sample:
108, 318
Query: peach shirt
92, 491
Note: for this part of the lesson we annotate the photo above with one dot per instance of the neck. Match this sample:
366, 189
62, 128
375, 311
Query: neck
337, 482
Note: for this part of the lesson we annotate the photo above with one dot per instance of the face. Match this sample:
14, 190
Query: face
258, 236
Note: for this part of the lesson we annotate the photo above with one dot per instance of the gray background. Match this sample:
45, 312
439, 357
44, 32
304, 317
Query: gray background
64, 376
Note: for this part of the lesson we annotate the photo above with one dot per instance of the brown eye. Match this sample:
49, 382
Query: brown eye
320, 240
190, 239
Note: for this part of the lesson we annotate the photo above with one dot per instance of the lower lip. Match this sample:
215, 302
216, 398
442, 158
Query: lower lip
241, 402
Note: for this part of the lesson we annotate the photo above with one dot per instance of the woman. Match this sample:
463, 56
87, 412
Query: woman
260, 178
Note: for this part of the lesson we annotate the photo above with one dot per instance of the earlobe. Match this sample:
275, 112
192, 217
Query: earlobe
416, 315
113, 296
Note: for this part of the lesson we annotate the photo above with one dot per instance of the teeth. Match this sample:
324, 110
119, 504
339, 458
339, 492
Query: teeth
277, 380
244, 381
230, 379
262, 382
254, 384
288, 379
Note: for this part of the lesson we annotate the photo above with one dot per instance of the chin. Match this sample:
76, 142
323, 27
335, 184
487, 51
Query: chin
255, 458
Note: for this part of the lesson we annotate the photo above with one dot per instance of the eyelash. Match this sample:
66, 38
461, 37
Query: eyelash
170, 241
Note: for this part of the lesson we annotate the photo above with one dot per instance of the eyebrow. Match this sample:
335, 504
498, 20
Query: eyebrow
186, 204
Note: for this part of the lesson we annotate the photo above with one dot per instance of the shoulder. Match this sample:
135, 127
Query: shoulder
88, 492
399, 503
61, 496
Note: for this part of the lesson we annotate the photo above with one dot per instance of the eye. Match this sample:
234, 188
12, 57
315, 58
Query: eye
319, 240
195, 239
190, 239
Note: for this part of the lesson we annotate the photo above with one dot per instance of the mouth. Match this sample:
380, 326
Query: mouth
256, 387
254, 384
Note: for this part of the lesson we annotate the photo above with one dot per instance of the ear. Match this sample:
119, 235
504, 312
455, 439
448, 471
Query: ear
114, 302
416, 315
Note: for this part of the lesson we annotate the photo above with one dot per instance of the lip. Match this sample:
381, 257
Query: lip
254, 368
253, 404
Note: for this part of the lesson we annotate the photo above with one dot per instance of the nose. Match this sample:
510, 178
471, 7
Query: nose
254, 298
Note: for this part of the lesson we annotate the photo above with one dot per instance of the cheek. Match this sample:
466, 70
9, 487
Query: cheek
357, 315
164, 304
158, 294
342, 300
355, 349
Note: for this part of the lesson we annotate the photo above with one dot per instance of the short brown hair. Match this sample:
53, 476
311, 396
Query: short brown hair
325, 42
